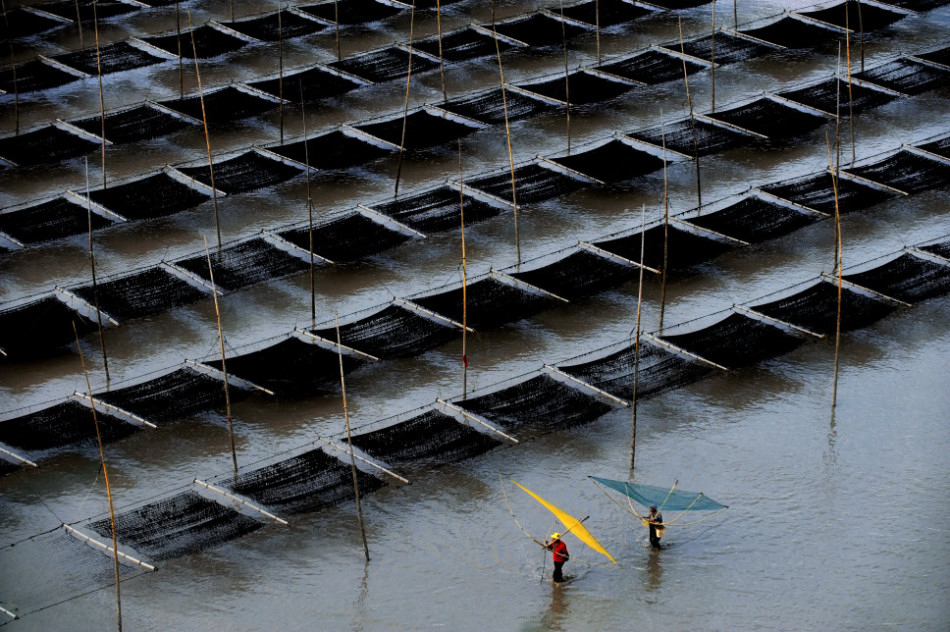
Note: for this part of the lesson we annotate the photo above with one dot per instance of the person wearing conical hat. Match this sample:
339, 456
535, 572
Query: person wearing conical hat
558, 553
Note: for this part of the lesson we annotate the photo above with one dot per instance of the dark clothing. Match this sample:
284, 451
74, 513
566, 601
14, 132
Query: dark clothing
560, 555
655, 519
558, 576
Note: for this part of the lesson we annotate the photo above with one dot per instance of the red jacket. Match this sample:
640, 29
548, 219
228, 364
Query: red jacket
559, 551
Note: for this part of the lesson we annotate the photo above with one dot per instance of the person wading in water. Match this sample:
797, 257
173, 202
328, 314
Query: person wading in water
558, 553
655, 522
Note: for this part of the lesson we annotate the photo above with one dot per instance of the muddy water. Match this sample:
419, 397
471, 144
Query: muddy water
834, 521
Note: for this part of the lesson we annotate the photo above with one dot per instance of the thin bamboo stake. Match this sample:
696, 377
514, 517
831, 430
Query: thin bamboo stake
349, 444
847, 43
181, 67
567, 81
438, 18
735, 13
511, 159
204, 119
102, 105
712, 55
16, 91
224, 368
336, 22
861, 29
280, 72
79, 25
596, 26
636, 344
105, 475
306, 157
834, 182
837, 162
692, 119
95, 286
405, 108
464, 282
666, 225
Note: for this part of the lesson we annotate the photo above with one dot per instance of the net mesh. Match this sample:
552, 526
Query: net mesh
817, 192
316, 83
24, 23
308, 482
244, 264
538, 29
907, 171
431, 436
709, 137
54, 219
753, 219
422, 129
392, 332
153, 196
88, 10
907, 76
725, 47
941, 249
736, 341
580, 88
114, 57
907, 278
658, 370
614, 161
8, 466
941, 56
144, 293
490, 302
180, 393
794, 33
205, 41
941, 147
251, 170
489, 107
62, 427
272, 27
683, 248
334, 150
816, 309
33, 76
436, 210
652, 66
541, 402
36, 328
222, 108
578, 274
44, 145
138, 123
771, 118
606, 12
349, 238
825, 96
852, 12
351, 11
462, 45
181, 525
534, 183
384, 64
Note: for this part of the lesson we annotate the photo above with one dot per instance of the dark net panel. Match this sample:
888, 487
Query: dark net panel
437, 210
206, 41
334, 150
726, 48
907, 76
154, 196
491, 303
541, 401
422, 129
581, 88
291, 367
37, 328
907, 171
384, 64
941, 250
754, 220
579, 274
60, 427
489, 107
32, 76
919, 5
652, 67
817, 192
114, 57
24, 23
683, 248
606, 12
794, 33
251, 170
433, 436
816, 309
244, 264
673, 5
538, 29
141, 294
941, 56
737, 341
534, 184
316, 83
309, 482
176, 526
851, 13
347, 239
826, 95
222, 108
709, 137
272, 27
941, 147
8, 466
614, 161
657, 371
393, 332
88, 9
351, 11
138, 123
54, 219
906, 278
183, 392
462, 45
771, 118
44, 145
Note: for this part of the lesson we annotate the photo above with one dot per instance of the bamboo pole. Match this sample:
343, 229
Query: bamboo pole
712, 55
405, 108
735, 14
306, 157
666, 225
349, 444
16, 91
181, 66
79, 25
597, 27
438, 18
105, 475
636, 344
861, 29
834, 182
95, 286
102, 105
511, 159
204, 119
692, 120
336, 22
224, 368
567, 81
280, 72
837, 162
847, 43
464, 282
